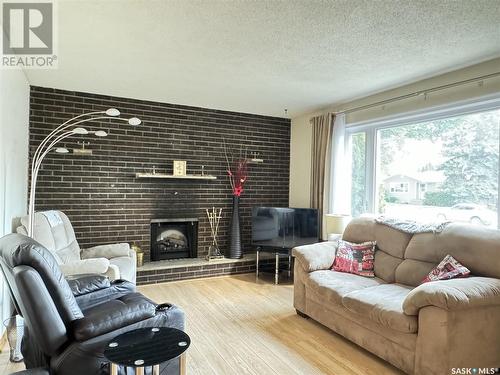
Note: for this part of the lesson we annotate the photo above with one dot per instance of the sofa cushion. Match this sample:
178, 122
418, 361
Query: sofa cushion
113, 314
383, 304
389, 240
475, 246
391, 244
385, 266
412, 272
54, 231
332, 285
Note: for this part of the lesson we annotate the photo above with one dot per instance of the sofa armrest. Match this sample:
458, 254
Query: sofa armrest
107, 251
454, 294
85, 266
88, 284
318, 256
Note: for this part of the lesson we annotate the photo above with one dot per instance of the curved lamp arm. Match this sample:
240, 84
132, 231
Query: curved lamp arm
61, 127
34, 177
40, 153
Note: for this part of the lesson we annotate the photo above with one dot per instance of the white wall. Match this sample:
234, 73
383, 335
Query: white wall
14, 120
300, 143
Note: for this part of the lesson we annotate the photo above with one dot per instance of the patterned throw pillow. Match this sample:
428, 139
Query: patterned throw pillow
449, 268
355, 258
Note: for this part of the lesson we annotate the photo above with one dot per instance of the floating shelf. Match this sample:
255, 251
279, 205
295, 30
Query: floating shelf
172, 177
255, 161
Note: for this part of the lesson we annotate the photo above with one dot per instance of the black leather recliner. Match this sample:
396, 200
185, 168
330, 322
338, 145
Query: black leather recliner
68, 323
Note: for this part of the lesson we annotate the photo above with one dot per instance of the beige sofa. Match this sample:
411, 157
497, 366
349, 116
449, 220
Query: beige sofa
421, 329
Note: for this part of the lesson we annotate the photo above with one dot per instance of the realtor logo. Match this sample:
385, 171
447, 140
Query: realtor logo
28, 38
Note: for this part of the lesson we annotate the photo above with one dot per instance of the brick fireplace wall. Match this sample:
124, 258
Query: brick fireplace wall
107, 203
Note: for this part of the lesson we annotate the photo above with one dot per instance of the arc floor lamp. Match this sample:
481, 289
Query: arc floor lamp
69, 128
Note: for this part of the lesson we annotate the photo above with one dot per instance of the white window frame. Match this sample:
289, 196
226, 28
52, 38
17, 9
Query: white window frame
371, 128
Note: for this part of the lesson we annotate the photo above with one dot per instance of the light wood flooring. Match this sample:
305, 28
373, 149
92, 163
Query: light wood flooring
239, 326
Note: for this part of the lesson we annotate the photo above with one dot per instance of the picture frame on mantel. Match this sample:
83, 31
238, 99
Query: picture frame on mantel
180, 167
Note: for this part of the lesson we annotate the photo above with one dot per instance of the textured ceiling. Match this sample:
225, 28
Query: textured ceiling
264, 56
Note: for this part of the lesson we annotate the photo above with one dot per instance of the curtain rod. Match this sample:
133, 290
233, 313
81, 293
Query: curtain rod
418, 93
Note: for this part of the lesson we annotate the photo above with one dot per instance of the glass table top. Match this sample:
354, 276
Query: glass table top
147, 346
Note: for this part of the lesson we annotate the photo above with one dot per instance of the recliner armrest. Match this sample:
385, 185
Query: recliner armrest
112, 315
318, 256
85, 266
454, 294
87, 284
106, 251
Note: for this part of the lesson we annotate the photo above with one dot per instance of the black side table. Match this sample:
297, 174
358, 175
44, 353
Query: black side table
282, 252
147, 347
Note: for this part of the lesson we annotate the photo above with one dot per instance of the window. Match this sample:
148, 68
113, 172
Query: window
445, 168
399, 187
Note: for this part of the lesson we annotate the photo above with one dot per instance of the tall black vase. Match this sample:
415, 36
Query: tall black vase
235, 251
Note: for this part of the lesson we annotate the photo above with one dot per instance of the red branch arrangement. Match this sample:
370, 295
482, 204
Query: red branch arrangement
237, 170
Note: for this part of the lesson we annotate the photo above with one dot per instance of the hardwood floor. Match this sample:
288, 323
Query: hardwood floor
240, 326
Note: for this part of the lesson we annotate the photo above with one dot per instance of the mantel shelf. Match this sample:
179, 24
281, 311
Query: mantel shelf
172, 177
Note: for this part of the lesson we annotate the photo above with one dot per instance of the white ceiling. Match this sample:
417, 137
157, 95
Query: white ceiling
263, 56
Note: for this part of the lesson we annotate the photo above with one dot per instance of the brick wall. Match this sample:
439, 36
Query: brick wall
100, 193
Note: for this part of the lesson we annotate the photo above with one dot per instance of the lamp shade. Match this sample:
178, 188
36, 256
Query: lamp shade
100, 133
113, 112
336, 223
134, 121
80, 131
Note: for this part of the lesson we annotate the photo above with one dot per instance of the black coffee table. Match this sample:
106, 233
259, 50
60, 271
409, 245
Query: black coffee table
147, 347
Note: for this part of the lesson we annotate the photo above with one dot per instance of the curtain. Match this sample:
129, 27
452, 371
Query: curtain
320, 166
340, 188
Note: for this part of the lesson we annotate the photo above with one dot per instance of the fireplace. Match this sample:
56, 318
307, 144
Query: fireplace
174, 238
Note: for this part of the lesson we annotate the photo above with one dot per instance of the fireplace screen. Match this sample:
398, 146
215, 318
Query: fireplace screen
173, 238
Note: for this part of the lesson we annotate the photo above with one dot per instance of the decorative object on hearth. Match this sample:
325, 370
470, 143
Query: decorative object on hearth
237, 170
255, 159
15, 332
65, 130
214, 217
139, 255
180, 167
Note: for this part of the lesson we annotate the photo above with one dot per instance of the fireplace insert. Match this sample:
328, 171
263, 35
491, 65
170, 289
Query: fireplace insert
174, 238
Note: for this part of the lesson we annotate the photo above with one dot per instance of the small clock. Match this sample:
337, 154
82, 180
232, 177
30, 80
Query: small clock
179, 167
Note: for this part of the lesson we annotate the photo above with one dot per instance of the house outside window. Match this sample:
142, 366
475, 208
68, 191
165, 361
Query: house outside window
430, 167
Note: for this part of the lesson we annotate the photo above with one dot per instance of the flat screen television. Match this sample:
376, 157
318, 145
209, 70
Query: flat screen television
284, 228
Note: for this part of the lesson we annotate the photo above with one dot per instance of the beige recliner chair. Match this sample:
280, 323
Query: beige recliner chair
54, 231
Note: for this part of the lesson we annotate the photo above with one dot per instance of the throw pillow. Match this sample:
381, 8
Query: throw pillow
449, 268
355, 258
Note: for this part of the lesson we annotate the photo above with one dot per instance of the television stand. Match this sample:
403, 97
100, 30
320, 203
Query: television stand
281, 252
